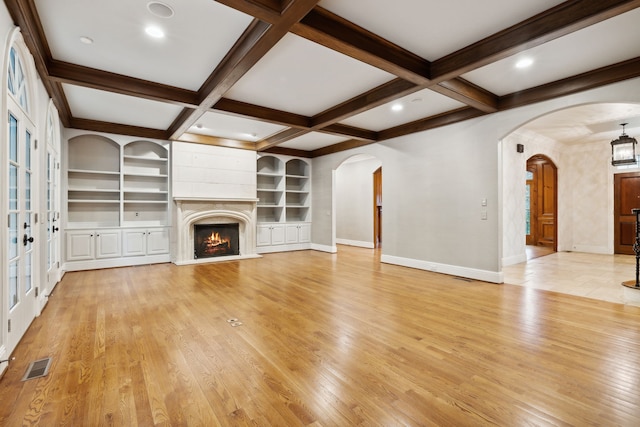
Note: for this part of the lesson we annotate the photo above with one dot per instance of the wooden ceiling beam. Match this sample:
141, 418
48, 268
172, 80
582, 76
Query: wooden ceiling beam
338, 34
603, 76
119, 129
267, 11
350, 131
78, 75
468, 93
431, 122
381, 95
264, 114
558, 21
256, 41
216, 141
279, 138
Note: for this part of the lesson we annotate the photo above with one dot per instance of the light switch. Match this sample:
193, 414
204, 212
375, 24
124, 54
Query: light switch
483, 215
484, 202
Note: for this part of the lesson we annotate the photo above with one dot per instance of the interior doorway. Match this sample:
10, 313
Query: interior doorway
377, 208
541, 201
626, 197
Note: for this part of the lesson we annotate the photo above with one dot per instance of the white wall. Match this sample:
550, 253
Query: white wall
212, 172
434, 182
354, 202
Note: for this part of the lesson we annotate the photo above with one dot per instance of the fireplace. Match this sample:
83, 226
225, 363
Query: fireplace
190, 214
212, 240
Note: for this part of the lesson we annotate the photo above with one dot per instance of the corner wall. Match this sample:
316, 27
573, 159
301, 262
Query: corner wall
435, 182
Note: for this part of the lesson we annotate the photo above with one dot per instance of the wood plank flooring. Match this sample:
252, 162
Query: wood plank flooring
326, 340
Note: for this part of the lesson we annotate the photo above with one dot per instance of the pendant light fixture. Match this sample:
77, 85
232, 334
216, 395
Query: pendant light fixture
623, 149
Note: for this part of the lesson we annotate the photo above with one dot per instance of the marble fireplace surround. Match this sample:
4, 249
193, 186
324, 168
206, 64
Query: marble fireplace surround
191, 211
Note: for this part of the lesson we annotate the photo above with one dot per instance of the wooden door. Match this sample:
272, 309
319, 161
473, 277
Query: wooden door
626, 197
543, 196
377, 207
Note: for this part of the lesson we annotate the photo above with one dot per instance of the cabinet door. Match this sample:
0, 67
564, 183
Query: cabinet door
292, 233
277, 234
134, 242
79, 245
304, 233
264, 235
157, 241
107, 243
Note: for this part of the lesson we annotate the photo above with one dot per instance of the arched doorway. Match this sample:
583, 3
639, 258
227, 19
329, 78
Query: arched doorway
358, 201
542, 203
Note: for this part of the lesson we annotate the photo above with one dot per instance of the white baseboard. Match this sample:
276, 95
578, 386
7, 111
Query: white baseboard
453, 270
115, 262
3, 356
216, 259
592, 249
283, 248
514, 259
324, 248
359, 243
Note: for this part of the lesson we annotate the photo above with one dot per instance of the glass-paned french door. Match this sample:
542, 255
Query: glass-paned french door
21, 223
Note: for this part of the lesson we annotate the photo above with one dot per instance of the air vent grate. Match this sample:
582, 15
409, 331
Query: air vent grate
37, 369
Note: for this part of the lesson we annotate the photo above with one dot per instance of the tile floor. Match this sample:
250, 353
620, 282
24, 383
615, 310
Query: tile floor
587, 275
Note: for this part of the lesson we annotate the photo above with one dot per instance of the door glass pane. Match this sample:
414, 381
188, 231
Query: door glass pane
27, 150
27, 273
13, 187
13, 138
13, 235
27, 190
13, 284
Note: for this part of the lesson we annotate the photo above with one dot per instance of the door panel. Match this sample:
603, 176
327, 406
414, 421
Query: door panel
626, 197
542, 209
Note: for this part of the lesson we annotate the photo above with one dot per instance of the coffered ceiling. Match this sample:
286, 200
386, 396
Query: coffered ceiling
314, 77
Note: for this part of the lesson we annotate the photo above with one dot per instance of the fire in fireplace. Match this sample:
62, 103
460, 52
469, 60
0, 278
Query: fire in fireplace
212, 240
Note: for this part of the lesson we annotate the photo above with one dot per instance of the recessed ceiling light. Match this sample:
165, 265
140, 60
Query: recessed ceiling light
397, 107
160, 9
86, 40
155, 32
524, 63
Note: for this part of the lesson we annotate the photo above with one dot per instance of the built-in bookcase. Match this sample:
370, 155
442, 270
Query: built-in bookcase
284, 203
117, 202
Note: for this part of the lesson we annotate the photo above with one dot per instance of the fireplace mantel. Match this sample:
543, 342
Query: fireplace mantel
189, 211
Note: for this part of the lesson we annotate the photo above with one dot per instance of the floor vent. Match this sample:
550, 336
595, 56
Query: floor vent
464, 279
37, 369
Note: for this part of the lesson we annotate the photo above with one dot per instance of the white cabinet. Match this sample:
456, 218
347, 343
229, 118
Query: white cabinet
85, 245
139, 242
270, 234
122, 185
298, 233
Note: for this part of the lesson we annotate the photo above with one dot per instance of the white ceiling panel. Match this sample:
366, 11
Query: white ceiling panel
412, 107
305, 78
436, 28
233, 127
587, 123
611, 41
198, 36
115, 108
312, 141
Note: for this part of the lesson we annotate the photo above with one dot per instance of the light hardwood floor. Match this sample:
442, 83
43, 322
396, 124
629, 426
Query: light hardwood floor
326, 340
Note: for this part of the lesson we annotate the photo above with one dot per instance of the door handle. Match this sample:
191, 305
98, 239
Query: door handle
54, 229
26, 239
